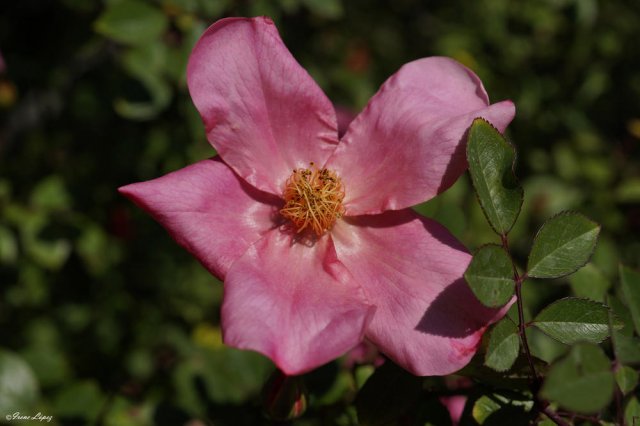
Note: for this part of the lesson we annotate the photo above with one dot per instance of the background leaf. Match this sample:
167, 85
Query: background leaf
131, 22
590, 283
632, 410
572, 320
627, 378
496, 409
491, 165
630, 281
79, 400
563, 244
87, 280
490, 275
18, 385
625, 345
483, 408
504, 345
627, 348
581, 381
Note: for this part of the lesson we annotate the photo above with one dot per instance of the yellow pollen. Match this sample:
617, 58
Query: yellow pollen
313, 199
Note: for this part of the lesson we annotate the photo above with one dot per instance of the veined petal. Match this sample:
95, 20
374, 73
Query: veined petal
409, 142
262, 111
293, 302
208, 210
427, 319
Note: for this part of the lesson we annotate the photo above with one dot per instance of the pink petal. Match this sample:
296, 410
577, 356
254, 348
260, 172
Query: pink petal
208, 210
293, 302
455, 405
427, 319
408, 144
365, 352
263, 113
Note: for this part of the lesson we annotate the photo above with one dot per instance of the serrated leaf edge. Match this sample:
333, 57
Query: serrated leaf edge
565, 213
486, 355
611, 315
513, 172
474, 254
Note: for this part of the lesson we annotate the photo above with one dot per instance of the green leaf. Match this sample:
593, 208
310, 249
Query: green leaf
572, 320
79, 399
543, 346
483, 408
490, 276
622, 312
630, 281
589, 283
628, 191
491, 163
160, 95
18, 385
625, 346
329, 9
226, 375
582, 381
329, 384
549, 195
96, 249
453, 217
123, 412
132, 22
387, 395
213, 8
49, 364
362, 374
518, 377
49, 254
632, 411
150, 58
504, 346
8, 246
627, 378
606, 256
50, 194
563, 244
500, 409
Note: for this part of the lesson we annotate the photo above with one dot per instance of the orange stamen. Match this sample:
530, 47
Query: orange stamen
313, 199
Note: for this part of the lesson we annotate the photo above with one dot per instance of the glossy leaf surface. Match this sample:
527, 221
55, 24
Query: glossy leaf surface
491, 161
490, 276
563, 245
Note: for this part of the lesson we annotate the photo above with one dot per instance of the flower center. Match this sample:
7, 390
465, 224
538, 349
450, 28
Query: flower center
313, 199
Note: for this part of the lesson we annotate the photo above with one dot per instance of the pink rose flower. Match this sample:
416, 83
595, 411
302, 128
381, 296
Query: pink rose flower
313, 236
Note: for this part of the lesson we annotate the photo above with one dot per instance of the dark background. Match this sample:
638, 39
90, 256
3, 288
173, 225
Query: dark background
105, 320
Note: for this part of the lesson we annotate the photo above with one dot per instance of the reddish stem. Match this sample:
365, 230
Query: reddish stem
535, 379
555, 417
521, 324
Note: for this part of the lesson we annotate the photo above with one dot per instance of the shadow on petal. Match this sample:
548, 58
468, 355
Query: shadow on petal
387, 219
456, 165
455, 313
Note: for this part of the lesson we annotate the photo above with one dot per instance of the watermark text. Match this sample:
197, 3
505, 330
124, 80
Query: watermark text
18, 416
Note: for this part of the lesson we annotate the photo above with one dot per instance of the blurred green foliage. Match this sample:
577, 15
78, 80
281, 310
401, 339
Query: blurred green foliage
105, 320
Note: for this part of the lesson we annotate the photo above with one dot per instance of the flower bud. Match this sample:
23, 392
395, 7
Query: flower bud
284, 397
